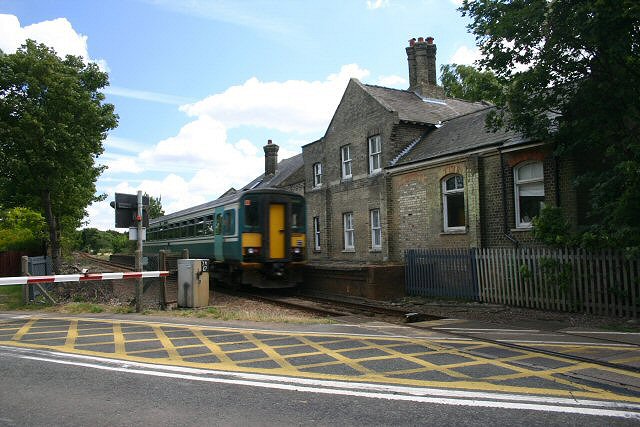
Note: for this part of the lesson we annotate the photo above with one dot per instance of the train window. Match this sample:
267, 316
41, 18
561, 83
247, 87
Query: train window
229, 222
199, 226
297, 215
218, 225
191, 228
208, 225
251, 213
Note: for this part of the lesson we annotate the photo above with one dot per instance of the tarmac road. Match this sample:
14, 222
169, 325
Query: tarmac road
118, 370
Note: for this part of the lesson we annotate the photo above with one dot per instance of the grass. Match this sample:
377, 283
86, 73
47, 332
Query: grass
11, 299
228, 313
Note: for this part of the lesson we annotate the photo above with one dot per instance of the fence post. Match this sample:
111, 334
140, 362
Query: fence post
162, 265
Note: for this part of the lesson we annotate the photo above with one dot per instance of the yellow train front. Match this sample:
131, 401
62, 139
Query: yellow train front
253, 238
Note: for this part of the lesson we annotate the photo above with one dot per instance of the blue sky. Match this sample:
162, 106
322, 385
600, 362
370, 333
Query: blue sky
201, 85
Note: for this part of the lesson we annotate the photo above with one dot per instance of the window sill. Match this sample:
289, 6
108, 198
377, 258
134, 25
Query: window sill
317, 251
375, 172
375, 250
348, 251
346, 178
452, 232
521, 229
316, 187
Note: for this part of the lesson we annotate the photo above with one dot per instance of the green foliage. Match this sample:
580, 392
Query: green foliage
466, 82
552, 228
53, 120
94, 241
572, 74
155, 207
21, 229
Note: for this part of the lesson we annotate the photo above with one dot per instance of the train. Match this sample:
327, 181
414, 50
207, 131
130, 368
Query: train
253, 238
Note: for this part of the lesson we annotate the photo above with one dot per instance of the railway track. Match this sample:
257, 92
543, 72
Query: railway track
104, 263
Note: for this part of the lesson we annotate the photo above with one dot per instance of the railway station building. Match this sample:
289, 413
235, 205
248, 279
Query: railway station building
409, 169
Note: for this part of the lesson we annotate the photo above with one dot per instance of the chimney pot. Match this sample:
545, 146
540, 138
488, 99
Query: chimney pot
420, 39
412, 41
430, 40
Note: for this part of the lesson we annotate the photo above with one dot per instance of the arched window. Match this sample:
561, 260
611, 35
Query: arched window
528, 180
453, 203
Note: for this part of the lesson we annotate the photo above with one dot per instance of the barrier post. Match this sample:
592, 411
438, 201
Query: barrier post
24, 263
139, 283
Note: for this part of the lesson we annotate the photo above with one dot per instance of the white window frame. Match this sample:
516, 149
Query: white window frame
345, 157
518, 183
317, 174
445, 208
375, 154
348, 231
316, 233
376, 229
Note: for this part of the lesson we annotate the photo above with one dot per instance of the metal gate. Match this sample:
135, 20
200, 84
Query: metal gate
39, 266
449, 273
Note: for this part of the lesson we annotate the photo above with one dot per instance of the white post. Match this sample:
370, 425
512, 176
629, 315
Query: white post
139, 282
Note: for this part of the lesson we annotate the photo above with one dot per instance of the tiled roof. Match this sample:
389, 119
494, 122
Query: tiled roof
414, 108
284, 171
458, 135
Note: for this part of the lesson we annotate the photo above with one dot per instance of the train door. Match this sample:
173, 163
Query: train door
277, 234
217, 232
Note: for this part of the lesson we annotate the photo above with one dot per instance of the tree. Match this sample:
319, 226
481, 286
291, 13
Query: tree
466, 82
21, 229
155, 207
53, 120
572, 69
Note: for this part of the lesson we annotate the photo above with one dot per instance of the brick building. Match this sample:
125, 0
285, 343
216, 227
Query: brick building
403, 169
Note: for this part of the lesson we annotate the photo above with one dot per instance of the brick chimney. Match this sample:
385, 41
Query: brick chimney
421, 56
270, 158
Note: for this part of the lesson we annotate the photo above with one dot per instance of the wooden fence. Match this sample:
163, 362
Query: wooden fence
575, 280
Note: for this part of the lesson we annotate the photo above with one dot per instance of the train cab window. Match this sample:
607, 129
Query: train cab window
251, 213
191, 228
229, 222
297, 216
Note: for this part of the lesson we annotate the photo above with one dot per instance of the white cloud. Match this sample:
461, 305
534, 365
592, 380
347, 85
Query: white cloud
377, 4
146, 96
290, 106
393, 81
57, 33
202, 152
465, 56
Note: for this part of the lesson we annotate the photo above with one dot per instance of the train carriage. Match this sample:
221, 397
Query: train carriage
254, 237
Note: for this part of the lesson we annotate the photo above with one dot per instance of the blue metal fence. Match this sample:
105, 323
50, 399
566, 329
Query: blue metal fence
447, 273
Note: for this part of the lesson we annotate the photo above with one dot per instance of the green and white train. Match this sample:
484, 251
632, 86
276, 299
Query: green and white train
254, 237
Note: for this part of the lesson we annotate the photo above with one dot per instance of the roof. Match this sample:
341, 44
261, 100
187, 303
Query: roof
460, 134
285, 171
412, 107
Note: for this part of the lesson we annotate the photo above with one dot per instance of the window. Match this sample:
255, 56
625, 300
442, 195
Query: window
218, 225
229, 222
316, 233
297, 216
317, 174
453, 203
376, 230
251, 213
345, 154
529, 192
375, 150
349, 238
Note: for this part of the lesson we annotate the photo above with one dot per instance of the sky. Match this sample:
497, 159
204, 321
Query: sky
201, 85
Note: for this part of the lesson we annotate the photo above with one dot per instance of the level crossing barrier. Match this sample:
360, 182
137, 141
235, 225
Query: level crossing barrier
62, 278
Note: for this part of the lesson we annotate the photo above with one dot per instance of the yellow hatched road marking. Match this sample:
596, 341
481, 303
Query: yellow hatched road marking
339, 357
24, 329
72, 334
118, 338
441, 348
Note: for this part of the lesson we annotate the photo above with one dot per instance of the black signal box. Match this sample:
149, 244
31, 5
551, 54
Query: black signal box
126, 206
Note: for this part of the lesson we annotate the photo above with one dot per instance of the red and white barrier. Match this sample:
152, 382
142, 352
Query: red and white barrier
60, 278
